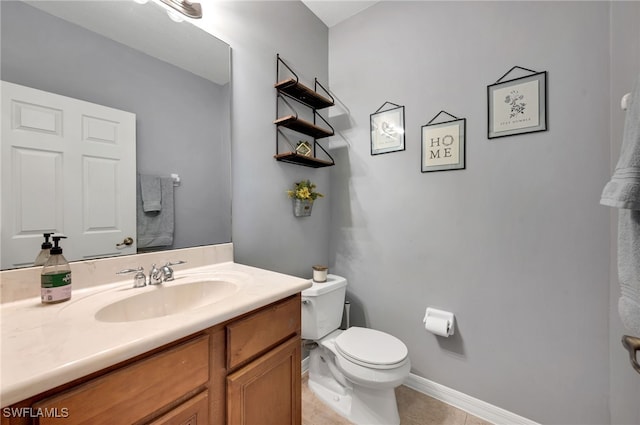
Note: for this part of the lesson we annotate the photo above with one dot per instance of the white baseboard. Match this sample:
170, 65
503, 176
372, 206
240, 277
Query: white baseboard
479, 408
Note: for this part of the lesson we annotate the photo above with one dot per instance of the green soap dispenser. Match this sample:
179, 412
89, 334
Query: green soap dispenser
55, 280
43, 256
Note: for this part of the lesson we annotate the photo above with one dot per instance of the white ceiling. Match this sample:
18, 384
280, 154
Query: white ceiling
332, 12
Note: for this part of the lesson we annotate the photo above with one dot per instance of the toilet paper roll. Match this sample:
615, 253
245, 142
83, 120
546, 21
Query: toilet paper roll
437, 325
439, 322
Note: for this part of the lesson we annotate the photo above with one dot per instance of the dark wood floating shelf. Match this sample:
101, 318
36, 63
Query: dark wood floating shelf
296, 124
307, 161
305, 97
303, 93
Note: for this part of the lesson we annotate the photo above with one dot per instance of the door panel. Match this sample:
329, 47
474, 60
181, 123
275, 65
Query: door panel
48, 141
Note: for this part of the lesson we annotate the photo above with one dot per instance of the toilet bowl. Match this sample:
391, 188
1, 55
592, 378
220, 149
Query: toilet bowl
354, 371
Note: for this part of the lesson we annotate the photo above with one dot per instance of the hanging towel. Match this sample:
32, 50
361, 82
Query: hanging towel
156, 228
629, 269
151, 193
623, 191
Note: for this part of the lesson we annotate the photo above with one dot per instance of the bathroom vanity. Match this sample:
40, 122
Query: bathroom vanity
233, 361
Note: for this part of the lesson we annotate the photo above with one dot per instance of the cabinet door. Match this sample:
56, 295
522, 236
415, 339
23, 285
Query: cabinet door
192, 412
267, 391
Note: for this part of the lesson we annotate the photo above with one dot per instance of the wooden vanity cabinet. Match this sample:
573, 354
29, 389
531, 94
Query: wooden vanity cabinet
264, 361
242, 372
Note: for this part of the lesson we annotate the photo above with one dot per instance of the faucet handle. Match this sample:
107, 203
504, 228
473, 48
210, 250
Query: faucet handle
139, 279
167, 271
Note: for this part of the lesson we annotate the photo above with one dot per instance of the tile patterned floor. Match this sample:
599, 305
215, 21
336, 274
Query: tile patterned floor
415, 409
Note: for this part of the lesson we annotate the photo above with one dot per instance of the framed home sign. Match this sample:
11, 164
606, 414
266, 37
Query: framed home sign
443, 144
517, 106
387, 129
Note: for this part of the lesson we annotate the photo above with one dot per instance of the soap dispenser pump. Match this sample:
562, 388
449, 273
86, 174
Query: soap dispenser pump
55, 280
43, 256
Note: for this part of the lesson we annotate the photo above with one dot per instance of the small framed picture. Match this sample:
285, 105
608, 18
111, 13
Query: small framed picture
443, 145
517, 106
387, 129
304, 148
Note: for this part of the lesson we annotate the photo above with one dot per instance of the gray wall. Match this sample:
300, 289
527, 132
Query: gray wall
265, 232
47, 53
517, 244
625, 66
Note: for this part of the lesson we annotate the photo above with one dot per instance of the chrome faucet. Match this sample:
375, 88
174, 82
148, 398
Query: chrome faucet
164, 274
155, 276
167, 271
139, 279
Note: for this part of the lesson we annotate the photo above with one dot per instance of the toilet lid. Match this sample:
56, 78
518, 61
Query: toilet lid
371, 347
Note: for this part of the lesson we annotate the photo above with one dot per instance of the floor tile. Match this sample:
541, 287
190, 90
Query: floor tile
314, 411
414, 407
418, 409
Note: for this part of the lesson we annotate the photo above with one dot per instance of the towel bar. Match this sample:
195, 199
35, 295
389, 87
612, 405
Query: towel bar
632, 344
176, 179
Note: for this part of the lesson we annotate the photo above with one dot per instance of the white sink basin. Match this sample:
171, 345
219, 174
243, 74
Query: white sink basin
167, 300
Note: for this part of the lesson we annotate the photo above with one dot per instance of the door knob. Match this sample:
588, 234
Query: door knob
127, 241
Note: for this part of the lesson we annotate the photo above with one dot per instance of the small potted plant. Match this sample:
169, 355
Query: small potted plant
303, 195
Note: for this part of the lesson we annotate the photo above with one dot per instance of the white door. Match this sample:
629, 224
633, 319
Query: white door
68, 166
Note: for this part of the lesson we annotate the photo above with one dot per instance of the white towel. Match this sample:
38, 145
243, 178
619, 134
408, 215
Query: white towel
623, 191
156, 228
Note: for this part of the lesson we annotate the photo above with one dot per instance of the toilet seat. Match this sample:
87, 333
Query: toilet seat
371, 348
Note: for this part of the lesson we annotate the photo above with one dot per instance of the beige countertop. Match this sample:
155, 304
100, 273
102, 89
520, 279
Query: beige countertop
44, 346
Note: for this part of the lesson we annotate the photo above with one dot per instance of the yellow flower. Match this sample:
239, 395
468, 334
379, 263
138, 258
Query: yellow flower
304, 190
304, 193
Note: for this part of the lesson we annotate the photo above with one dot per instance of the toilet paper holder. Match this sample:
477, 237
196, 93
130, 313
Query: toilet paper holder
439, 322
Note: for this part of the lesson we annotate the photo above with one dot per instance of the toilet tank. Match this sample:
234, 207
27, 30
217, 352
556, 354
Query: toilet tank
322, 307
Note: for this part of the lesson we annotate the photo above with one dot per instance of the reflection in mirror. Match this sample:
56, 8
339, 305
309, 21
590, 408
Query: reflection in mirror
131, 57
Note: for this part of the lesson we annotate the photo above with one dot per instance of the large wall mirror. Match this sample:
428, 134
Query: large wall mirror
173, 76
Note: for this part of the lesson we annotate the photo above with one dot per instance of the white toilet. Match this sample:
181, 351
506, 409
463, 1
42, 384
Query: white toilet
356, 370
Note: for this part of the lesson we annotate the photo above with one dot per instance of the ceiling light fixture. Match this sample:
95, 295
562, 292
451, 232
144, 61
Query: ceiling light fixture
187, 8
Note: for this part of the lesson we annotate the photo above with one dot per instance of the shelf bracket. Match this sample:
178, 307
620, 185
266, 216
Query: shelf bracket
317, 84
282, 96
280, 61
323, 150
315, 113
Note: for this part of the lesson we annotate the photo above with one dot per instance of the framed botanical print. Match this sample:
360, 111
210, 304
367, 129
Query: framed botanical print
517, 106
